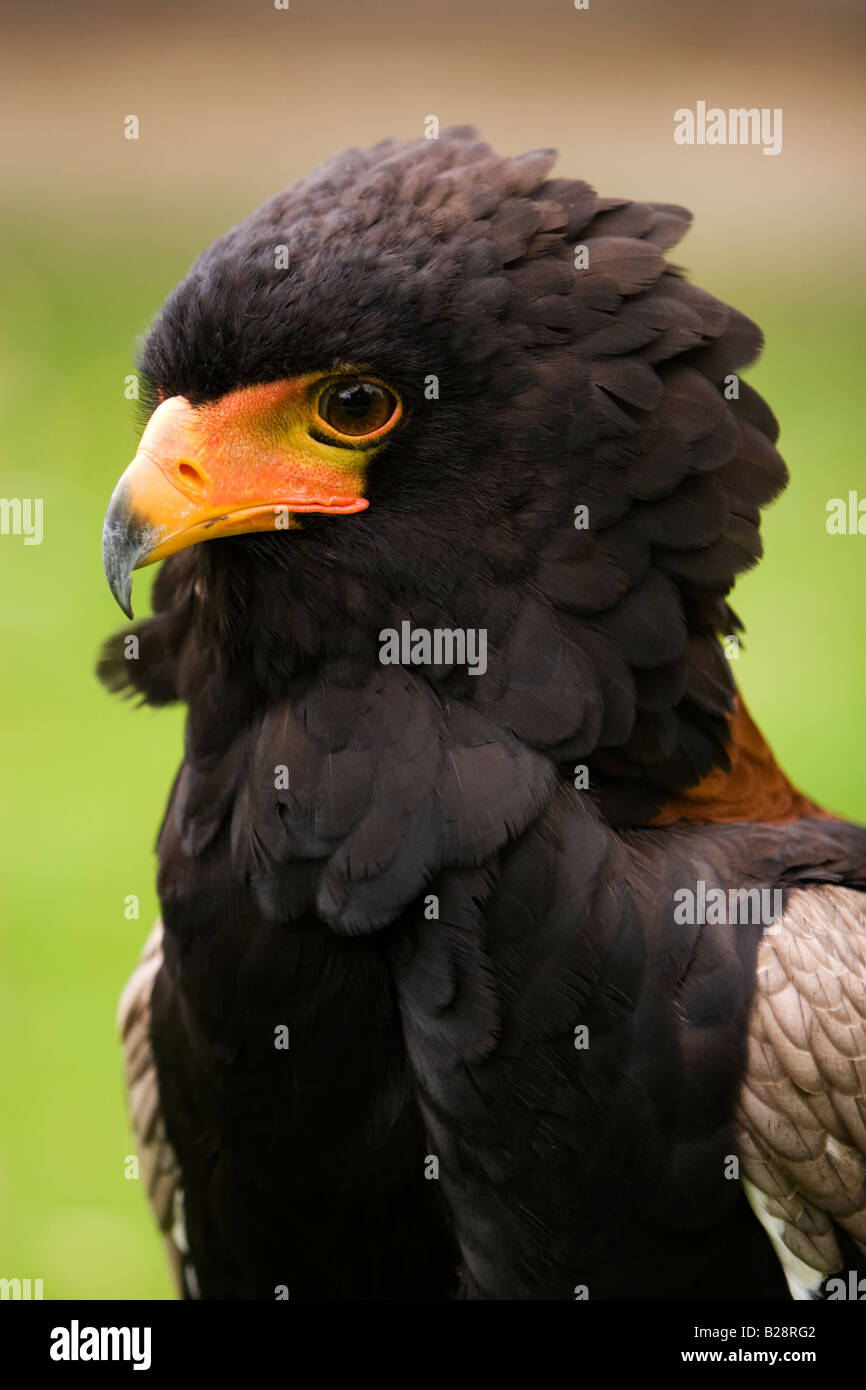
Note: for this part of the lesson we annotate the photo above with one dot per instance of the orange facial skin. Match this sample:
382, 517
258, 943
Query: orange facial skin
251, 461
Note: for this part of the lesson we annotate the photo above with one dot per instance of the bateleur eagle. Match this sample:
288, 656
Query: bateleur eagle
429, 1014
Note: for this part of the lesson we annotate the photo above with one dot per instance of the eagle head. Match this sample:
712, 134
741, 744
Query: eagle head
435, 386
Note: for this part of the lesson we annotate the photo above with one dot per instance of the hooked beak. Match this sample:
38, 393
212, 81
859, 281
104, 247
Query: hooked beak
241, 464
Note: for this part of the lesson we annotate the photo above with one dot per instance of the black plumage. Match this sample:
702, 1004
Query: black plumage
430, 905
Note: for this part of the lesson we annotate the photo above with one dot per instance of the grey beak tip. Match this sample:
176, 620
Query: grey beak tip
116, 572
121, 588
121, 548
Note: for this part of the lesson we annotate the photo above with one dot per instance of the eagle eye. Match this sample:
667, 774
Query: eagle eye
358, 408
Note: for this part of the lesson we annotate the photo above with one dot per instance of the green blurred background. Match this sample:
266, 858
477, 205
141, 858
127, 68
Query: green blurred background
234, 101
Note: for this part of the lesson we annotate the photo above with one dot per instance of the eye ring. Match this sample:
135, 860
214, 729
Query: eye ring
357, 409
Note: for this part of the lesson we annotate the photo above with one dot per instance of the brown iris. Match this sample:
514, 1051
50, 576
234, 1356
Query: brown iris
358, 408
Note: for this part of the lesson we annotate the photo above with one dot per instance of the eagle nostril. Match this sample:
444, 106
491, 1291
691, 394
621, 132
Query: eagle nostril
191, 477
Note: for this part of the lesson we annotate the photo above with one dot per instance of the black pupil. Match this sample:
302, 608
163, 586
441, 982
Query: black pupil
357, 400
